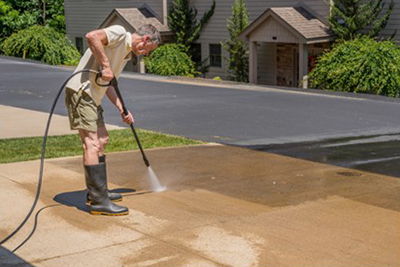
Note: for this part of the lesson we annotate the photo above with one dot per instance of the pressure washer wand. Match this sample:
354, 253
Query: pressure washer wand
114, 84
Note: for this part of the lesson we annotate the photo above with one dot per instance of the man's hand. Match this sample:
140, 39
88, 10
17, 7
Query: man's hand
107, 74
127, 118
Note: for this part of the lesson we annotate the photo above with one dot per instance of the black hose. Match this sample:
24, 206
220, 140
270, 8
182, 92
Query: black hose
34, 226
42, 158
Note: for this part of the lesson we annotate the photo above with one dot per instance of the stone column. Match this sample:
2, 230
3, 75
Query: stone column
303, 65
142, 66
253, 62
165, 12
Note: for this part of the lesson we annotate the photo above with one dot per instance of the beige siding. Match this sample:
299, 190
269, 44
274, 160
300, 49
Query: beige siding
273, 29
394, 21
83, 16
216, 28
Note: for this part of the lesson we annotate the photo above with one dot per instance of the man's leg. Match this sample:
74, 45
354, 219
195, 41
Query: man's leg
83, 117
102, 135
96, 177
91, 147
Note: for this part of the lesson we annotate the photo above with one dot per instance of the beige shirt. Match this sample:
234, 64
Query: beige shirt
118, 51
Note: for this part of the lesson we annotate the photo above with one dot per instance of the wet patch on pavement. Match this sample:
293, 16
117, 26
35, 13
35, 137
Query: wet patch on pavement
377, 154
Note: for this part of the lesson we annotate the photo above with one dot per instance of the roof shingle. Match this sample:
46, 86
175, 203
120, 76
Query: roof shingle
137, 19
303, 22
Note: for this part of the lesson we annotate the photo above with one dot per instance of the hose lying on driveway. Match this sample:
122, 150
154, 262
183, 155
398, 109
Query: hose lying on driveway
42, 159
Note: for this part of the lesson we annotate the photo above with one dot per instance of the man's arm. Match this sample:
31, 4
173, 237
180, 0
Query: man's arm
96, 40
112, 95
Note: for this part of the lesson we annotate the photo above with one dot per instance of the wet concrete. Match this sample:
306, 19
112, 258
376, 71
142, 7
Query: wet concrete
225, 206
276, 180
326, 203
376, 153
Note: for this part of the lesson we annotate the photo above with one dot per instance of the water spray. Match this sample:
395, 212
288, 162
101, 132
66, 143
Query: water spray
154, 182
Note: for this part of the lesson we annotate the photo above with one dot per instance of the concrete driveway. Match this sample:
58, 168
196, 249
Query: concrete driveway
224, 206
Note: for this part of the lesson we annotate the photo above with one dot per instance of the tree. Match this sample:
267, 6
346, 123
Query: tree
12, 20
362, 65
238, 68
21, 14
182, 20
41, 43
350, 18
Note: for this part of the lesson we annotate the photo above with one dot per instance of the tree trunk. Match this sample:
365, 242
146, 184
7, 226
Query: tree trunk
44, 12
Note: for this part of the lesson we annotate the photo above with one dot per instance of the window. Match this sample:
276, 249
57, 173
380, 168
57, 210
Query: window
215, 55
79, 44
196, 53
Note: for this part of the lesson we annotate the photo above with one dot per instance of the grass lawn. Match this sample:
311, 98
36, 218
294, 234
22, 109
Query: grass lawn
22, 149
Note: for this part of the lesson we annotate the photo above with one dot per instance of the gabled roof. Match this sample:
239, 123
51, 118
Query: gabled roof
136, 17
296, 20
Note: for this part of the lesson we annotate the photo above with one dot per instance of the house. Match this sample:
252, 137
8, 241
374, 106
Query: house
284, 36
295, 34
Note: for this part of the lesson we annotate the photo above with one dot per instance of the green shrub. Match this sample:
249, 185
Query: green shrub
12, 20
41, 43
170, 60
361, 66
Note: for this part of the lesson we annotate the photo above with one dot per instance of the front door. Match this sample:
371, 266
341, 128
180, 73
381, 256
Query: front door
287, 64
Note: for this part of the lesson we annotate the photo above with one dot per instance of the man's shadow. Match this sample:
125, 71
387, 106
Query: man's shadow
77, 199
8, 258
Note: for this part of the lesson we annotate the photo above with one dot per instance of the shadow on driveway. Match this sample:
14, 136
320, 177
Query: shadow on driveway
8, 259
77, 199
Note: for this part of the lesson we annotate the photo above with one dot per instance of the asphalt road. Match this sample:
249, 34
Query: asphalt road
280, 121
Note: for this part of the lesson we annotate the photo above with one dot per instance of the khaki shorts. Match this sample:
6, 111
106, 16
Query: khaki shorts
82, 111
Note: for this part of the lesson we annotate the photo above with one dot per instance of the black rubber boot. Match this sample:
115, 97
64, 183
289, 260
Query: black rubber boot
115, 197
96, 183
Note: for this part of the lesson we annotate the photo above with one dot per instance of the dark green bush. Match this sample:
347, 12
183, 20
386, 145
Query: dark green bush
170, 60
11, 20
41, 43
361, 66
16, 15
